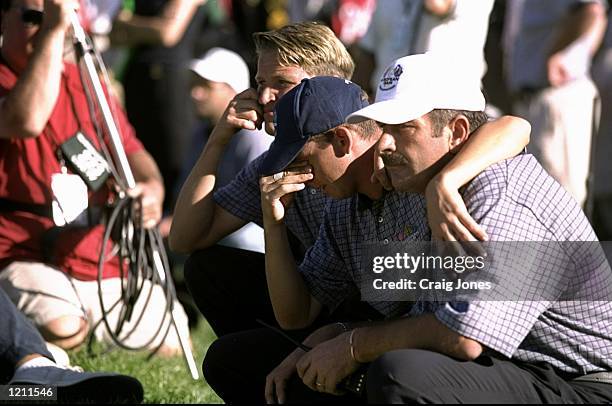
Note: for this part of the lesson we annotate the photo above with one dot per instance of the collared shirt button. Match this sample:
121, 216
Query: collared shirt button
386, 241
380, 219
313, 191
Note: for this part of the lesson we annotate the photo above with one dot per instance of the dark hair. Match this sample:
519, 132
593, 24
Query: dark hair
366, 129
440, 118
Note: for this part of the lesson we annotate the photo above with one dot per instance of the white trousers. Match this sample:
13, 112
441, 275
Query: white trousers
44, 293
561, 132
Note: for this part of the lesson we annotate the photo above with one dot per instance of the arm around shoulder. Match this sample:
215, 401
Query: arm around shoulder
492, 142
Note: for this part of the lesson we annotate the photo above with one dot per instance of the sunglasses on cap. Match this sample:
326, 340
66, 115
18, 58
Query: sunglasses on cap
31, 16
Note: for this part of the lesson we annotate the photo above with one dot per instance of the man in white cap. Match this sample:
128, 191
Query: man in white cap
218, 76
553, 346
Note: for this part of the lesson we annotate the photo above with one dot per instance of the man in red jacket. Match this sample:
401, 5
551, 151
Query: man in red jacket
43, 109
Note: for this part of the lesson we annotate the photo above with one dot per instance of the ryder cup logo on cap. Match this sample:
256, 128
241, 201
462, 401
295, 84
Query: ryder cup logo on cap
390, 77
313, 107
414, 85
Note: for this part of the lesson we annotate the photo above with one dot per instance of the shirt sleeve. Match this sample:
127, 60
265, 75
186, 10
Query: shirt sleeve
323, 269
499, 325
527, 277
241, 197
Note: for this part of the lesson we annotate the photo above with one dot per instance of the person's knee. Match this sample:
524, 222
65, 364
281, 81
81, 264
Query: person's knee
155, 322
214, 364
66, 332
169, 351
398, 377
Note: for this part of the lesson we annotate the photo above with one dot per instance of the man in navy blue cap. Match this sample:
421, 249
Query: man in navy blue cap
313, 115
314, 146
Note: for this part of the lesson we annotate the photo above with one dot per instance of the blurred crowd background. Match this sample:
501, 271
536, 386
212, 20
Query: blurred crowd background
538, 59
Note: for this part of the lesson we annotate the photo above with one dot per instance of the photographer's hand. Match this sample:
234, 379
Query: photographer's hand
27, 108
149, 187
57, 14
151, 198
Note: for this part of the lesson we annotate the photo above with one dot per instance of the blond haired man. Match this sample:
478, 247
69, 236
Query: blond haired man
285, 57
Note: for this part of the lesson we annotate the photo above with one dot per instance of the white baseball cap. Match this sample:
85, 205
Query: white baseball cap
414, 85
224, 66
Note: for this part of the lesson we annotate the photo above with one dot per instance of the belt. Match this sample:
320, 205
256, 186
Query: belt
600, 377
42, 210
95, 214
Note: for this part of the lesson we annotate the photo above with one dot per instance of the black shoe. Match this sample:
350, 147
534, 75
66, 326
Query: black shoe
75, 386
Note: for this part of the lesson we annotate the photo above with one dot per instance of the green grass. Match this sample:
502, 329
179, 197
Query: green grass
165, 380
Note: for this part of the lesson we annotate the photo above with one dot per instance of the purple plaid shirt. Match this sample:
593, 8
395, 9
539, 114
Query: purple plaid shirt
516, 200
332, 268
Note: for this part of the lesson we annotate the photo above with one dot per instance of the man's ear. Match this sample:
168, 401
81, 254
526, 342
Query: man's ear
342, 141
459, 132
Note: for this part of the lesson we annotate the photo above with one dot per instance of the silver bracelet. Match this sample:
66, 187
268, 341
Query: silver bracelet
351, 342
344, 326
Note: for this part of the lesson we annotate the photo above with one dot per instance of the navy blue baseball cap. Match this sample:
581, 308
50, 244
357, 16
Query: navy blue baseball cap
313, 107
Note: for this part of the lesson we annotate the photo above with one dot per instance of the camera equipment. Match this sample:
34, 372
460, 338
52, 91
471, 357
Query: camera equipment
141, 251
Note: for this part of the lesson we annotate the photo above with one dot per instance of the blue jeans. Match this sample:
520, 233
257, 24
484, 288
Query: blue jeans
18, 337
